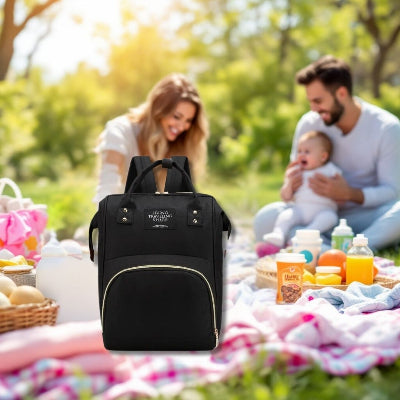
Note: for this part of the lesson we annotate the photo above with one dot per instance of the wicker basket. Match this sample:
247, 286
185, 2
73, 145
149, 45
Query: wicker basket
266, 273
379, 279
28, 315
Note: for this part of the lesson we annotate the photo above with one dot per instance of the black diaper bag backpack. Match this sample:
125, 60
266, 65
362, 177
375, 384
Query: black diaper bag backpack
160, 262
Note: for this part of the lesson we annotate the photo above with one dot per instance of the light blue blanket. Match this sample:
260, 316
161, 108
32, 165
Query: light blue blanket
359, 298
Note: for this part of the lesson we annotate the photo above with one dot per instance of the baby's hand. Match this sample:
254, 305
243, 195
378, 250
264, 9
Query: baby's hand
293, 180
294, 175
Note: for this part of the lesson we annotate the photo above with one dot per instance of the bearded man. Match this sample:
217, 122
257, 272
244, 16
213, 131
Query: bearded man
366, 147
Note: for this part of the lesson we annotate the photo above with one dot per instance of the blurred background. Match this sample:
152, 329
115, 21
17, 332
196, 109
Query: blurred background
67, 66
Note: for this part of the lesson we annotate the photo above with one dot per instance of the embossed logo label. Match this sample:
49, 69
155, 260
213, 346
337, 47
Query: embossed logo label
160, 218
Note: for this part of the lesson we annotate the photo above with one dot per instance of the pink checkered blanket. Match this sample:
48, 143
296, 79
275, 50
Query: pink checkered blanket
69, 360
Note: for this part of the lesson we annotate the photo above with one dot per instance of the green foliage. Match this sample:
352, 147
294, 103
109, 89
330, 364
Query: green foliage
69, 118
274, 383
242, 196
390, 99
137, 63
16, 123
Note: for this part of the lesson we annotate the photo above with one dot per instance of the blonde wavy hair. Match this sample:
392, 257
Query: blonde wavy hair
162, 101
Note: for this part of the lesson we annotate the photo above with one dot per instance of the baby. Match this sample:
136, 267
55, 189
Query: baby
308, 209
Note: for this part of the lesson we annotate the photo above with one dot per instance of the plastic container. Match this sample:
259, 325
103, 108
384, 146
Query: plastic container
290, 267
308, 242
360, 262
328, 275
342, 236
66, 275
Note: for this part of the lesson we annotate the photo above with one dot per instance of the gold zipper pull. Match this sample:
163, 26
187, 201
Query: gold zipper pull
216, 338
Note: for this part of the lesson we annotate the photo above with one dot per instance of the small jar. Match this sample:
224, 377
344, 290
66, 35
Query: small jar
21, 274
328, 276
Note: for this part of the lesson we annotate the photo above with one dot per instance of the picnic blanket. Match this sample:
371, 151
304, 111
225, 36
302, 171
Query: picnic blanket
69, 360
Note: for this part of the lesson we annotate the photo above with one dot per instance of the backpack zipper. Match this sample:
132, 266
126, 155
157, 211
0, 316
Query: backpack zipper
166, 266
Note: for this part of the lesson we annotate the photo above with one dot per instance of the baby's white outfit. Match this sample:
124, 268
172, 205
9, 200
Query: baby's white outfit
308, 209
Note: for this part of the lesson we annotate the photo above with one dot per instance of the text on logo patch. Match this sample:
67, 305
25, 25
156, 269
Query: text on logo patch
159, 218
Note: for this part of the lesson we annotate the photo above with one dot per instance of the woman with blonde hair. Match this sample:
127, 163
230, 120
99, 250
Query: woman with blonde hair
171, 122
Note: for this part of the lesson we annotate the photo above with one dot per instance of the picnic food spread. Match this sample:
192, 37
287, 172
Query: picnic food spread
331, 270
334, 257
328, 276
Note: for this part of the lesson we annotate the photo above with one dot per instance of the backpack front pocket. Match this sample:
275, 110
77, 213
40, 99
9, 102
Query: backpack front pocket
159, 307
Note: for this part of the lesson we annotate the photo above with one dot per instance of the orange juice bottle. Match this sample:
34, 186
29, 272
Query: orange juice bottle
360, 262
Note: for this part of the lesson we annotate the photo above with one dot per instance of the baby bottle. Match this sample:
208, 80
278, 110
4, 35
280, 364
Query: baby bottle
360, 262
342, 236
66, 275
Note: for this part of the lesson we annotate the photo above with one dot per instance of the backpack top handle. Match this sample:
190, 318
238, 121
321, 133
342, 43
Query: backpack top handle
165, 163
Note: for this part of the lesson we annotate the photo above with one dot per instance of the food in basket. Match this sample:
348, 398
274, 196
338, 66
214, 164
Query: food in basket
4, 301
328, 279
17, 260
7, 285
308, 276
17, 269
25, 295
334, 257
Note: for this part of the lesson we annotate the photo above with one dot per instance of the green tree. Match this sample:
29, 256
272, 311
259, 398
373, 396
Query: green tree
16, 124
381, 20
69, 118
138, 62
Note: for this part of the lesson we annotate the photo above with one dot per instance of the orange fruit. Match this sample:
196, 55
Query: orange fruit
375, 270
334, 257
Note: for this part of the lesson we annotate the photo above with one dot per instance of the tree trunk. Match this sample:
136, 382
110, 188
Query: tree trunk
376, 73
7, 36
372, 21
9, 31
6, 53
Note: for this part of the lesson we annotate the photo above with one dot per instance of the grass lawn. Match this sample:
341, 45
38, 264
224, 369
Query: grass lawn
70, 206
272, 383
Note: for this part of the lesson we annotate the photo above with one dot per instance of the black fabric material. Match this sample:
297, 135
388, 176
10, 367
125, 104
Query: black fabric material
175, 181
161, 270
137, 165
